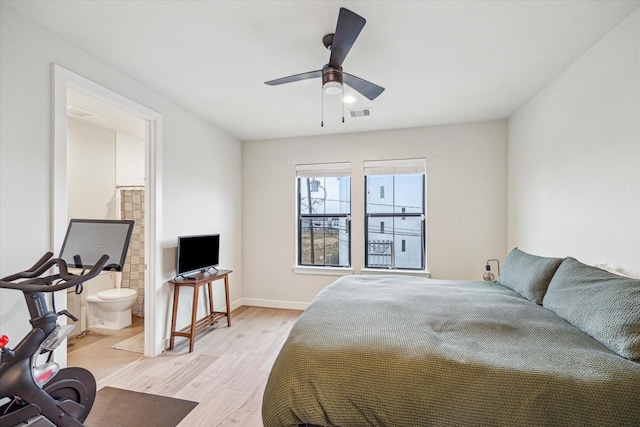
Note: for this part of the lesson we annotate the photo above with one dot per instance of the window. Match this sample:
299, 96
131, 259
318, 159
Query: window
324, 209
395, 226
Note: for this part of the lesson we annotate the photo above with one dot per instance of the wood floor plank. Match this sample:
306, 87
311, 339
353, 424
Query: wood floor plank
226, 373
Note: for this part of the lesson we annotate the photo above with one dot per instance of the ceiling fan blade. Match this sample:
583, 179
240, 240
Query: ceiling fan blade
347, 30
295, 78
368, 89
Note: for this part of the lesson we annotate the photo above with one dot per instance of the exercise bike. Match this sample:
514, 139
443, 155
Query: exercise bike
41, 394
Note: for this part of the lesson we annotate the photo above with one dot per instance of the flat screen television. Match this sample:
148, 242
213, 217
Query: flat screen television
197, 254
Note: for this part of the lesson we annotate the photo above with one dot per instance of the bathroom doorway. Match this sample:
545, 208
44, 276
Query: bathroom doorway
106, 180
140, 180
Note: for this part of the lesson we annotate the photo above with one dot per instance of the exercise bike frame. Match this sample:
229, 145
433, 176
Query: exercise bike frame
44, 395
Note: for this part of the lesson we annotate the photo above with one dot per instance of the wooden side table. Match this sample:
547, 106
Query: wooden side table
196, 325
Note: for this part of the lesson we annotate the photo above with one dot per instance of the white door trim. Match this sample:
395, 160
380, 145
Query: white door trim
64, 79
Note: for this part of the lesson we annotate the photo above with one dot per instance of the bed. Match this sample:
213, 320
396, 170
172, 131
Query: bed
403, 351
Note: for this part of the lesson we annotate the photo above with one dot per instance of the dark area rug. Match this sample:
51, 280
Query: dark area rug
117, 407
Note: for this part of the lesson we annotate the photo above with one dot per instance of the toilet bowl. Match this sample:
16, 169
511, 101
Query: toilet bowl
111, 309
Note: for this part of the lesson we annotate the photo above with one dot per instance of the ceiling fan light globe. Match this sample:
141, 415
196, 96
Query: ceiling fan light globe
332, 88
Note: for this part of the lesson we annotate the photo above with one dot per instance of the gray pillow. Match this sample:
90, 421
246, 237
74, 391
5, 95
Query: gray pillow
529, 275
604, 305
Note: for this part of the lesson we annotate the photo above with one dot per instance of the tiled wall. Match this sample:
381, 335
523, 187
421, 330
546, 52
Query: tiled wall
132, 207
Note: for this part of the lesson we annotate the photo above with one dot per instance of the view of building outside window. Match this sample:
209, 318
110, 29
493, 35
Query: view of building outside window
324, 208
394, 213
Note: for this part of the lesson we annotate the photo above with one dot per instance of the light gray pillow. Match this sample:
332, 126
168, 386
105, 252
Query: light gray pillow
528, 275
602, 304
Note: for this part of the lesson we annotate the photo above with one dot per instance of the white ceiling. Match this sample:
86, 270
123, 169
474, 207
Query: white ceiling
105, 115
441, 62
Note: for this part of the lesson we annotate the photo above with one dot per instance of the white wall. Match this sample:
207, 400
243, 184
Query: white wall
130, 158
99, 159
91, 171
201, 178
466, 202
574, 159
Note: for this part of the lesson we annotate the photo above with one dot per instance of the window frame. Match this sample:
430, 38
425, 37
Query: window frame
308, 172
394, 168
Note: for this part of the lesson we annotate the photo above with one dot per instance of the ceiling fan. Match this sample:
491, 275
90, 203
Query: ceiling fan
339, 43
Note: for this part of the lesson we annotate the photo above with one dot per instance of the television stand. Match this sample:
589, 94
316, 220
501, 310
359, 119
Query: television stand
196, 325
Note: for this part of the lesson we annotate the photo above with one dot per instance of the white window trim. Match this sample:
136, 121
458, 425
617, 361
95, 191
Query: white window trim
315, 170
347, 271
323, 271
402, 272
399, 167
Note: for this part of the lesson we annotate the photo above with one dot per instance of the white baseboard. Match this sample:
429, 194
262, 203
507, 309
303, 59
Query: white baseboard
268, 303
235, 304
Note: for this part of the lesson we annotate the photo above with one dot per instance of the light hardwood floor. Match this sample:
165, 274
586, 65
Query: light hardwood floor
226, 373
93, 350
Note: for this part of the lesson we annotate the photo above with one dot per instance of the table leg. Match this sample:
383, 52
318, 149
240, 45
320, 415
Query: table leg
226, 294
176, 292
194, 314
210, 286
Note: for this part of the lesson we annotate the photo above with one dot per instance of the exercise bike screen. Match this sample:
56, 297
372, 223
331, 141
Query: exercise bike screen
87, 240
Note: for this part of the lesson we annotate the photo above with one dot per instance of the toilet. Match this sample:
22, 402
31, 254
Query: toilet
110, 308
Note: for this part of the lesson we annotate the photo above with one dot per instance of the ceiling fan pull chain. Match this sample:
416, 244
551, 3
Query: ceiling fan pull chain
342, 103
321, 107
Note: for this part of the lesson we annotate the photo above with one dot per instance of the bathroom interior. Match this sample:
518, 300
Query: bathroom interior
105, 180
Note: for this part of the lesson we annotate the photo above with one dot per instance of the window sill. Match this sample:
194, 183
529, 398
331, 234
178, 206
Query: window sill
323, 271
382, 271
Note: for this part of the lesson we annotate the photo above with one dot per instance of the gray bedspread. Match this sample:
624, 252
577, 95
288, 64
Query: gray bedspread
402, 351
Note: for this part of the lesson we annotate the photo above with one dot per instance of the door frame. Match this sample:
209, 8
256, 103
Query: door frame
63, 80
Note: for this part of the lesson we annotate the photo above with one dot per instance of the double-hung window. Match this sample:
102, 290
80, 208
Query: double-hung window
395, 214
324, 214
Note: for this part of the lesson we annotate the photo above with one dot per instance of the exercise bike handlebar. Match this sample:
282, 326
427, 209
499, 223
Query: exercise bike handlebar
35, 283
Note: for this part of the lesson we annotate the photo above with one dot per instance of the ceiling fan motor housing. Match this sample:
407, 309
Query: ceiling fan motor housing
331, 74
